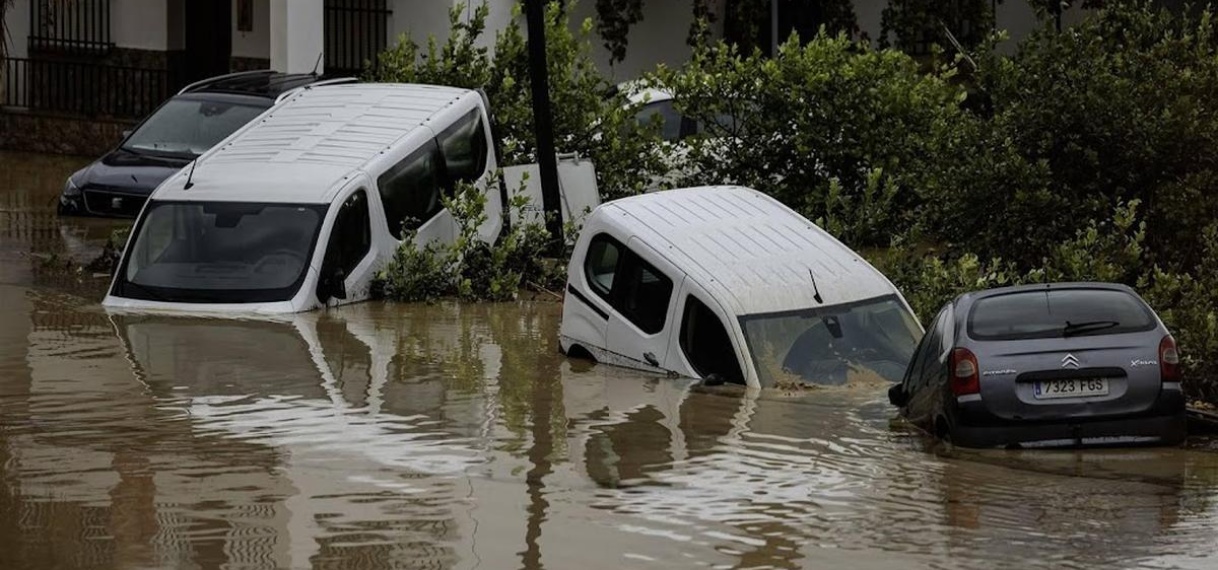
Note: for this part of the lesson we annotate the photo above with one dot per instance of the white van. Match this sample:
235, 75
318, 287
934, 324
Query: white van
302, 206
727, 284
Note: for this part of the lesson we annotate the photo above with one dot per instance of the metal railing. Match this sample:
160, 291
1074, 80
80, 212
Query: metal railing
356, 31
70, 25
83, 89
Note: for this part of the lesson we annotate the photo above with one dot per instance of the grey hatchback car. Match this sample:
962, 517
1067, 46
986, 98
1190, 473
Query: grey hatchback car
1057, 365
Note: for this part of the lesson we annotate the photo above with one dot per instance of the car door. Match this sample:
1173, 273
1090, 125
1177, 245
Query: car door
921, 381
347, 257
643, 300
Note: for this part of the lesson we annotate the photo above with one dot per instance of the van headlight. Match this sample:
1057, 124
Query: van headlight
70, 190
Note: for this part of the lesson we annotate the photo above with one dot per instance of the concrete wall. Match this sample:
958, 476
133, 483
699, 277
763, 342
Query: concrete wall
255, 43
140, 24
659, 38
18, 22
421, 19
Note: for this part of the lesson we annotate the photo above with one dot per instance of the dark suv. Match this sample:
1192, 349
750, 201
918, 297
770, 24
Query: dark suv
199, 116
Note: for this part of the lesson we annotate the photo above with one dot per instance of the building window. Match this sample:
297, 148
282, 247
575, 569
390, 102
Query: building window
411, 190
70, 25
706, 344
355, 33
245, 15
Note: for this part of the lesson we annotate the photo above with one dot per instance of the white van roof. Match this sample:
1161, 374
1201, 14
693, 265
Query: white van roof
302, 149
747, 249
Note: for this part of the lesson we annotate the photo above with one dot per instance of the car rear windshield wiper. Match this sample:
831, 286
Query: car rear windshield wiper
1072, 329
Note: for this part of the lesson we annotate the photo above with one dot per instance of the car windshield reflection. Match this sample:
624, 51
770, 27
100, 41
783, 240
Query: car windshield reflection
188, 126
221, 252
832, 345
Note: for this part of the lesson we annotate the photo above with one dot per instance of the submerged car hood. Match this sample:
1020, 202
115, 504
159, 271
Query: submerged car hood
130, 172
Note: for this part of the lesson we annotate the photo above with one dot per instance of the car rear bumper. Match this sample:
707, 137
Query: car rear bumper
1164, 424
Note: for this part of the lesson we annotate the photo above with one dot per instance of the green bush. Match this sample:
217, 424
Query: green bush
1112, 250
590, 118
1118, 107
832, 128
471, 269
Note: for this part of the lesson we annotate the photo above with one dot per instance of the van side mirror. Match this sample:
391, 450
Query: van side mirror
127, 133
897, 396
714, 379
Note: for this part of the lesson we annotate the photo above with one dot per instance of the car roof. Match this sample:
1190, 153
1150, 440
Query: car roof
747, 249
303, 149
641, 91
973, 296
264, 83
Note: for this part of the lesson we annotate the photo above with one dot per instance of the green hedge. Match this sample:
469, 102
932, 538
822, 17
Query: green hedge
1090, 154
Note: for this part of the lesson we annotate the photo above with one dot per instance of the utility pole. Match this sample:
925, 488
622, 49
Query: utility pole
543, 122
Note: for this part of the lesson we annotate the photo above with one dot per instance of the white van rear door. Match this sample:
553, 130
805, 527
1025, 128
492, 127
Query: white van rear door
641, 324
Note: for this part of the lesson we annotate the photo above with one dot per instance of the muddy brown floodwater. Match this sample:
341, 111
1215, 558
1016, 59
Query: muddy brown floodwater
456, 436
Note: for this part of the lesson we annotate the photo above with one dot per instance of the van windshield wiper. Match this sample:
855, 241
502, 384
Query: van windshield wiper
1072, 329
145, 289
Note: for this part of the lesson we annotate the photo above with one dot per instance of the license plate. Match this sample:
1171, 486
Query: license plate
1072, 388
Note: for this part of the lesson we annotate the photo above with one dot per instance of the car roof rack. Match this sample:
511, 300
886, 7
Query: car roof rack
322, 83
219, 78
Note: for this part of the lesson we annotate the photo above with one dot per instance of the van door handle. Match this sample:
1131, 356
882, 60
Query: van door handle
651, 359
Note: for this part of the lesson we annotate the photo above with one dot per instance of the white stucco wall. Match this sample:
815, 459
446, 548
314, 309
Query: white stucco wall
421, 19
18, 22
255, 43
659, 38
139, 24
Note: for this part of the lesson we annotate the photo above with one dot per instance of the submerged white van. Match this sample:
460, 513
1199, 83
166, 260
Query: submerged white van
302, 206
727, 284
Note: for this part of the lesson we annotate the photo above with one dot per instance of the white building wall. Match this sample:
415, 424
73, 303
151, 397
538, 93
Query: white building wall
139, 24
255, 43
18, 23
659, 38
422, 19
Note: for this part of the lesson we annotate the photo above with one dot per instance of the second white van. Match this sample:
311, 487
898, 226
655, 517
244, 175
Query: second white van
727, 284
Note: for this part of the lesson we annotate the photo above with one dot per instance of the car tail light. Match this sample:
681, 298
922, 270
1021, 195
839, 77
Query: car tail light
1169, 360
966, 377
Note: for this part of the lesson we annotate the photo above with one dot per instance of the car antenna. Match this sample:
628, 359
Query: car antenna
317, 63
815, 289
190, 177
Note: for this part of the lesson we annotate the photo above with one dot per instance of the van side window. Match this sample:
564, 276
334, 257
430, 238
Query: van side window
601, 264
411, 190
635, 289
465, 148
706, 344
350, 238
642, 294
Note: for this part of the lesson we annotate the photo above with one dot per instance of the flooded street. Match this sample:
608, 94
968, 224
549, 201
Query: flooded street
456, 436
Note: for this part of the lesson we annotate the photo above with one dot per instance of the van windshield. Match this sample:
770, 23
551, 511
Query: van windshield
220, 252
871, 339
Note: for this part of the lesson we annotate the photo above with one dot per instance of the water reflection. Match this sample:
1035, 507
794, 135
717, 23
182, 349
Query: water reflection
454, 436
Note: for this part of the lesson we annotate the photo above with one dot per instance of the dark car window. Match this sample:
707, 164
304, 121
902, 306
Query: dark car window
350, 240
465, 148
635, 289
411, 190
664, 112
189, 126
706, 344
1056, 313
220, 252
928, 350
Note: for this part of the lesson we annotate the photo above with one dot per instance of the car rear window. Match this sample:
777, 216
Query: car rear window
1057, 313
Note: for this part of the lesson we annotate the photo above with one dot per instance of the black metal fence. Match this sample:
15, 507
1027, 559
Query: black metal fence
83, 89
356, 31
70, 25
